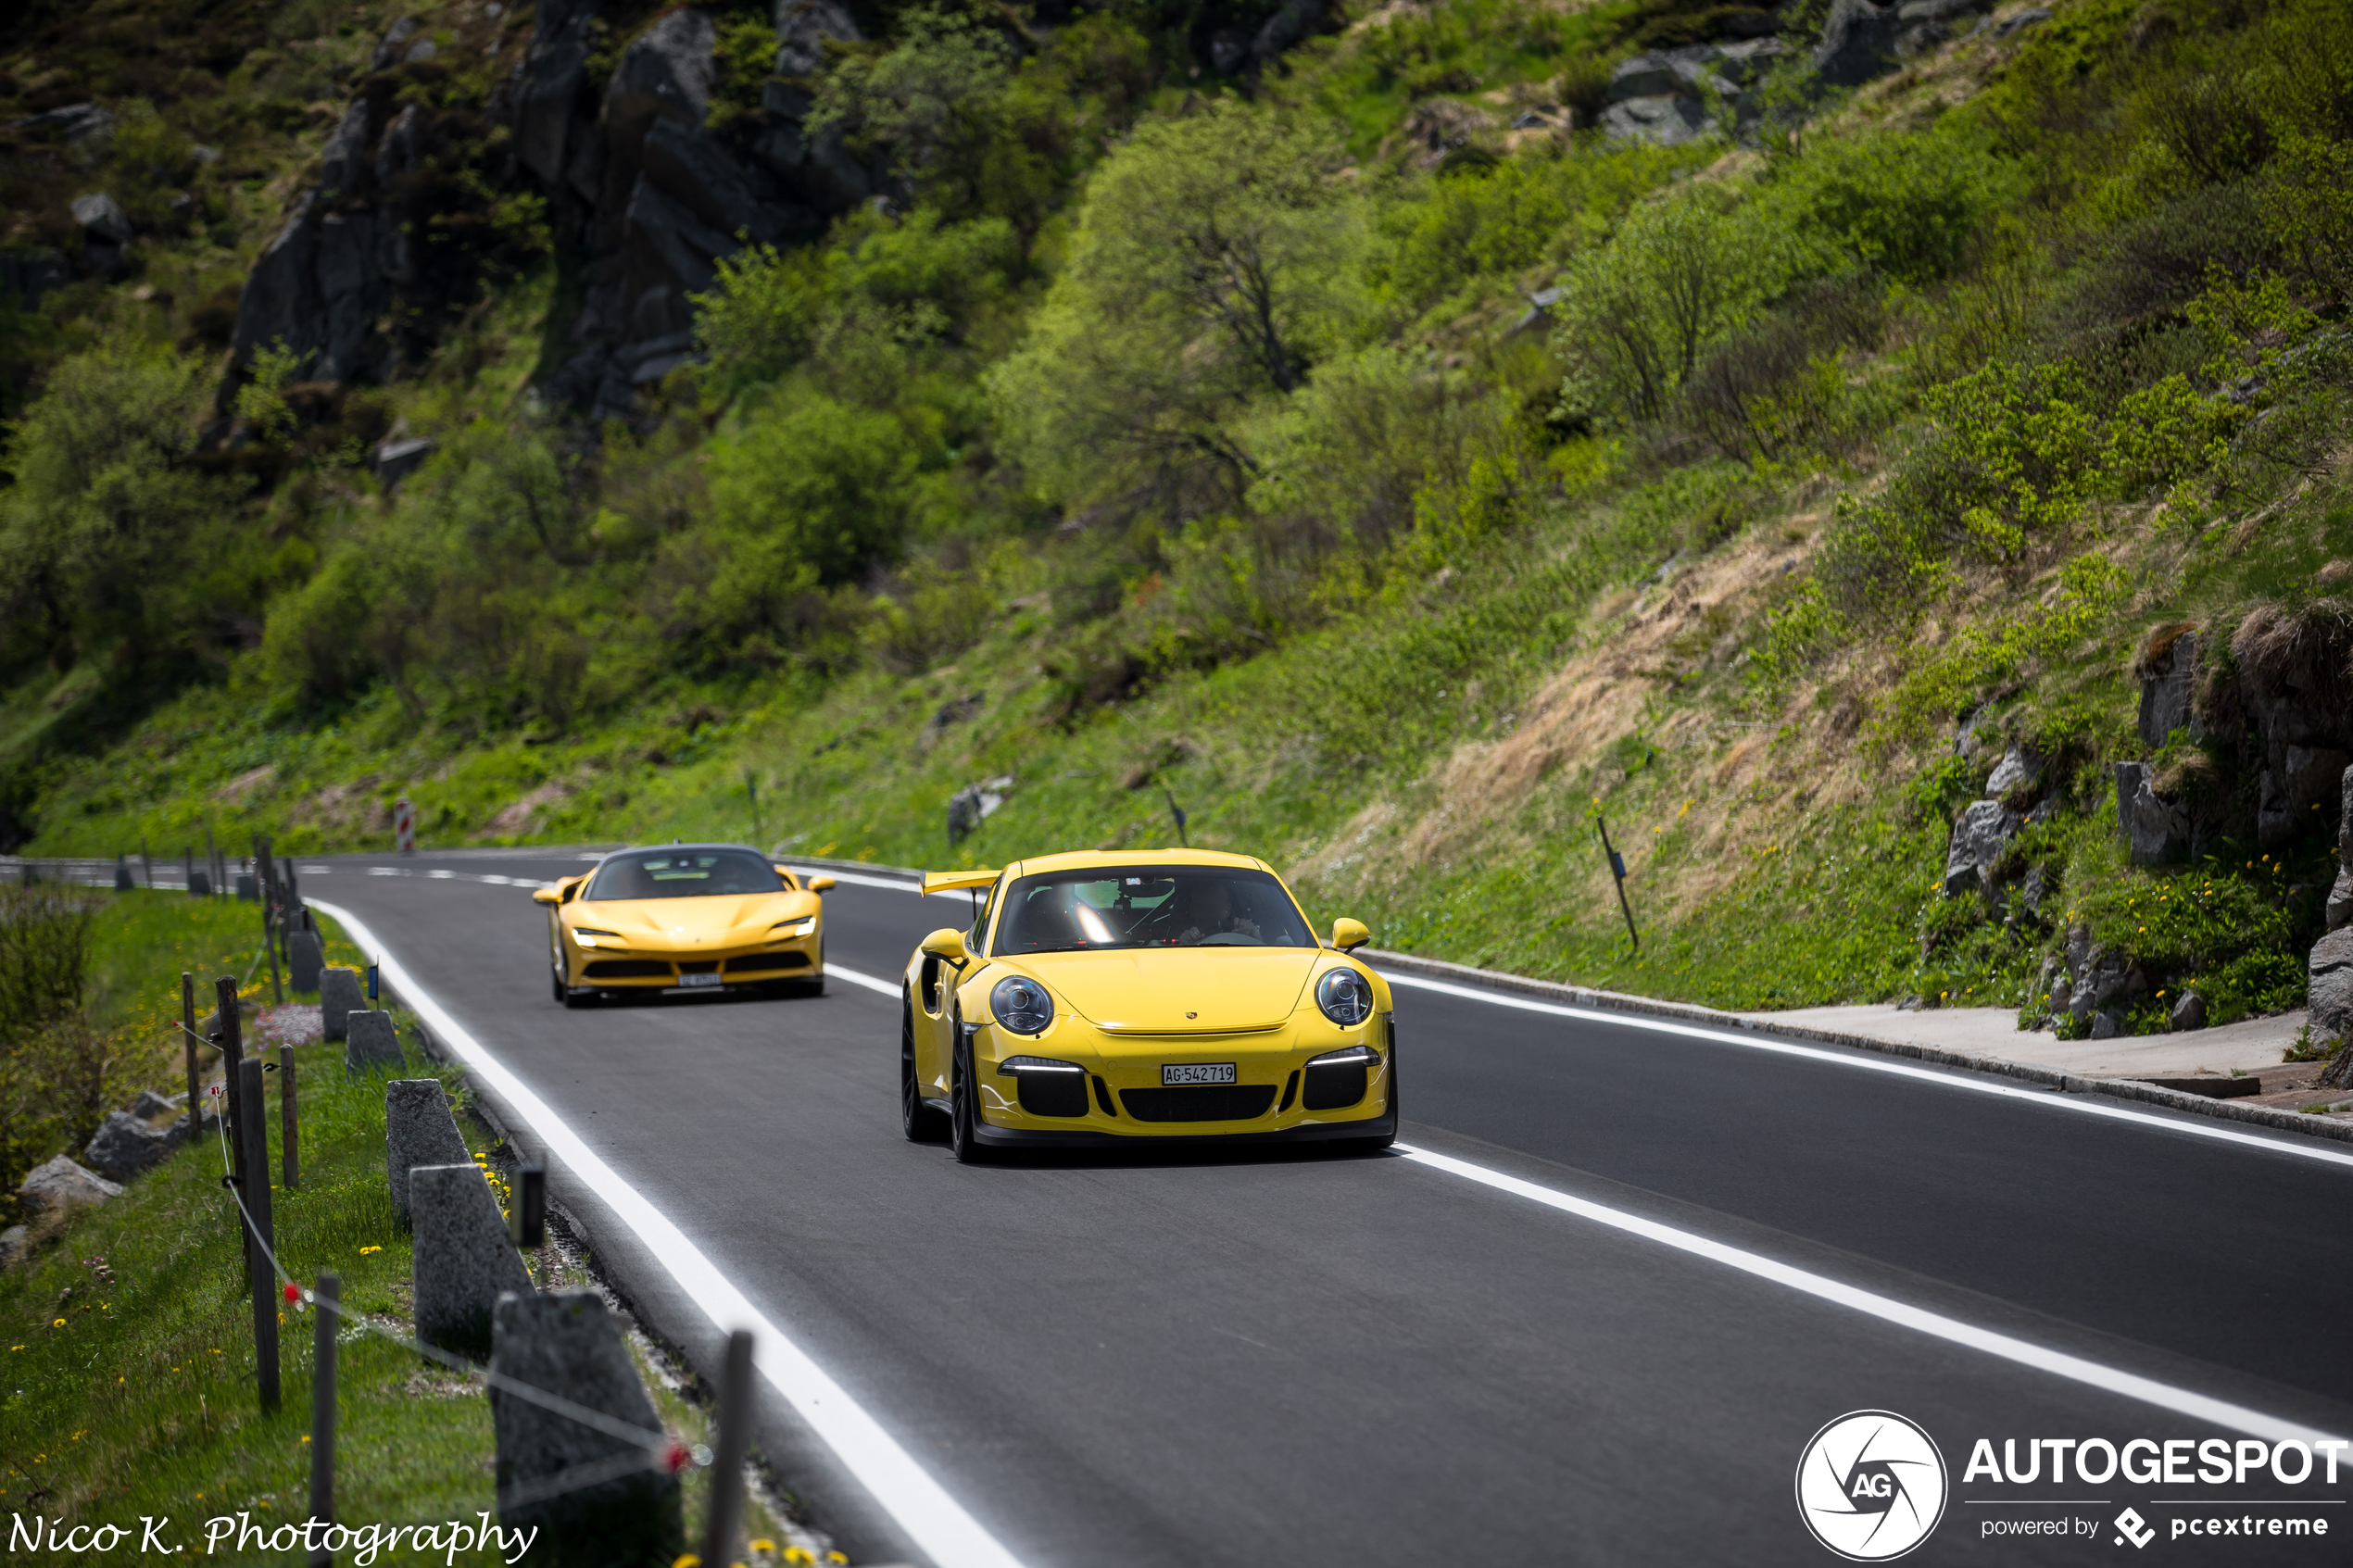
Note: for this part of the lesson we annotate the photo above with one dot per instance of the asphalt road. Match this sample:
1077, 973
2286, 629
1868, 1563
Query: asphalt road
1292, 1357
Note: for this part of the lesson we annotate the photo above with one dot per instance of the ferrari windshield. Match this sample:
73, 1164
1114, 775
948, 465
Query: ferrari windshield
1149, 907
683, 873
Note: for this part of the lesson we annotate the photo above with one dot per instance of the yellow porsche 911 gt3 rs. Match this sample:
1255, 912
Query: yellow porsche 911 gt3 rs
1108, 997
687, 916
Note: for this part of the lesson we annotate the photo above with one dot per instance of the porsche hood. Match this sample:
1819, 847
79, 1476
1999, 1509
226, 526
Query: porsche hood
1180, 990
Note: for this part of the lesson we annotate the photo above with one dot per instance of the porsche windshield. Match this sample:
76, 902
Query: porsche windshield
683, 873
1149, 907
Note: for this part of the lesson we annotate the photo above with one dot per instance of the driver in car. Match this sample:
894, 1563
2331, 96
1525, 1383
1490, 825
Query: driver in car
1208, 912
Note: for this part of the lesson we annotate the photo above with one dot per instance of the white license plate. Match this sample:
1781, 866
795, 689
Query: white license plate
698, 980
1197, 1072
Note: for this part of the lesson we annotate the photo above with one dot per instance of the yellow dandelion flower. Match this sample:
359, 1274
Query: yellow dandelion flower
687, 1559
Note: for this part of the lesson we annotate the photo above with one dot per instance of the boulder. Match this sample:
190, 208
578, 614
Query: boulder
61, 1184
1857, 43
14, 1243
802, 27
1979, 837
150, 1105
2167, 678
2104, 979
2155, 829
462, 1259
419, 1130
2331, 976
394, 44
1643, 76
2017, 766
2188, 1013
2108, 1025
125, 1147
102, 219
567, 1343
1662, 120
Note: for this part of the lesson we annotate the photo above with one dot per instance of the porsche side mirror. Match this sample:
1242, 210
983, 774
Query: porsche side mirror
947, 944
543, 895
1349, 935
820, 884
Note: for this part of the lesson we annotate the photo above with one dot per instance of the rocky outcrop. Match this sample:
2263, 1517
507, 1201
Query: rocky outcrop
1857, 43
1984, 830
2293, 686
2156, 830
1665, 96
2168, 669
126, 1147
2330, 978
318, 289
2340, 904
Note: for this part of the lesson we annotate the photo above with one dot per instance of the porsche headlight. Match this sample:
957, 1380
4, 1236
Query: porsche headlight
1349, 1056
588, 935
1344, 998
1013, 1065
1022, 1005
790, 928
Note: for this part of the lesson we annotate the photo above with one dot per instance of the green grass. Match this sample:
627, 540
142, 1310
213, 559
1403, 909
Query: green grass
126, 1343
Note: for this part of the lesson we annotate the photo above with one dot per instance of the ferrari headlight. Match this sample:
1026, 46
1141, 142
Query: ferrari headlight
1022, 1005
790, 928
587, 935
1344, 998
1036, 1064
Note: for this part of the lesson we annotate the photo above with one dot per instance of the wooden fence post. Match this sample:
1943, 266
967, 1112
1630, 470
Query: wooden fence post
286, 1117
259, 1236
268, 872
323, 1408
188, 1046
146, 867
727, 1461
234, 1114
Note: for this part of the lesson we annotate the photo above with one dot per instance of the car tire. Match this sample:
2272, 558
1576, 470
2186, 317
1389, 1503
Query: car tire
963, 1098
921, 1123
566, 995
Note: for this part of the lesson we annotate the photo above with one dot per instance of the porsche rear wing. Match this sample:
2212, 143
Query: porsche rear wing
952, 882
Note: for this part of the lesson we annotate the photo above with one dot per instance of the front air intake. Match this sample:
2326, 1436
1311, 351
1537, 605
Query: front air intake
1199, 1102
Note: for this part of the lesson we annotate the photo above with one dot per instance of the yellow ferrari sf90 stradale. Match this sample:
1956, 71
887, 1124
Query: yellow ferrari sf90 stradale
1109, 997
688, 915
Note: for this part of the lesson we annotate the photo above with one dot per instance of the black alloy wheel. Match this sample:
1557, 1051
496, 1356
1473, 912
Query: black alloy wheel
921, 1123
963, 1097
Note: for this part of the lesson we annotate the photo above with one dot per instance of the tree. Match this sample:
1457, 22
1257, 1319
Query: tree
1212, 265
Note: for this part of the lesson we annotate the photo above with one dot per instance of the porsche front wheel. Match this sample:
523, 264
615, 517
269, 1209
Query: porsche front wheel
921, 1123
963, 1097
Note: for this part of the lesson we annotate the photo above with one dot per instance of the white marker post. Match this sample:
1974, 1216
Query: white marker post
404, 826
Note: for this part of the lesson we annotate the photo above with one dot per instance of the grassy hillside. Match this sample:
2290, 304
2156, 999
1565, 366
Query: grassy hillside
1174, 435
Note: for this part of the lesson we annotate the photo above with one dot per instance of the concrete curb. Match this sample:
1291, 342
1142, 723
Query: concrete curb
2067, 1083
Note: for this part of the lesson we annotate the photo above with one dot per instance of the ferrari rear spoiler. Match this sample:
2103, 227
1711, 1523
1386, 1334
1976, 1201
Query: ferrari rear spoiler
950, 882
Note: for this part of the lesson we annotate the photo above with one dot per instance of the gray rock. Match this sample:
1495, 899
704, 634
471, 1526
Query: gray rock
150, 1105
1742, 63
802, 27
463, 1261
567, 1344
2017, 766
339, 997
1857, 43
2307, 778
304, 959
1643, 76
2032, 888
2340, 905
421, 50
2108, 1026
402, 147
83, 124
665, 73
102, 219
343, 165
2033, 16
125, 1147
1915, 11
1979, 837
2331, 972
546, 92
1293, 20
2166, 684
1662, 120
320, 288
388, 53
62, 1185
2105, 978
699, 175
14, 1243
2188, 1013
2155, 829
419, 1130
371, 1044
396, 460
2062, 995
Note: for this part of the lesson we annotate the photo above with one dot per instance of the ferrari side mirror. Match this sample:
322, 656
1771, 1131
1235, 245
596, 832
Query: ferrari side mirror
1349, 935
947, 944
821, 885
543, 895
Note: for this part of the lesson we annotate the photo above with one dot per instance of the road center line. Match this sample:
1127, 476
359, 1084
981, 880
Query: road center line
1963, 1079
935, 1522
2181, 1401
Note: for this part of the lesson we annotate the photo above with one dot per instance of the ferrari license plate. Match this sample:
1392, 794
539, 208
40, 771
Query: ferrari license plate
1197, 1072
698, 980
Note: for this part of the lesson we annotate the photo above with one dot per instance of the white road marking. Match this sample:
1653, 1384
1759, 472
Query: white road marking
895, 885
389, 870
935, 1522
2293, 1144
882, 987
446, 876
2131, 1385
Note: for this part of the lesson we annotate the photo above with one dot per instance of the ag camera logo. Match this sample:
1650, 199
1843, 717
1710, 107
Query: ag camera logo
1871, 1485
